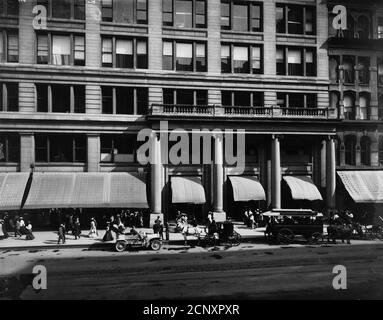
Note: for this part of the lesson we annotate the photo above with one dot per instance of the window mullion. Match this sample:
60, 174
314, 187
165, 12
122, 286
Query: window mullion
135, 101
6, 148
286, 16
114, 100
49, 48
249, 17
71, 62
72, 100
304, 21
174, 48
49, 98
73, 149
48, 145
114, 56
286, 53
134, 52
304, 61
194, 55
231, 58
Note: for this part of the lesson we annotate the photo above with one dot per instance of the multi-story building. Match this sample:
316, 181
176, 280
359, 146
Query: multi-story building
356, 90
77, 88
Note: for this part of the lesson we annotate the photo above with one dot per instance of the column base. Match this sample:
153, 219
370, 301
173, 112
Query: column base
219, 216
153, 217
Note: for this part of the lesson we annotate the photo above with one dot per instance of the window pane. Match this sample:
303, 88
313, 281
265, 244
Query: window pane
201, 97
60, 50
41, 148
167, 15
13, 149
200, 14
107, 100
123, 11
60, 98
256, 59
295, 62
61, 9
168, 96
12, 7
280, 57
79, 9
107, 57
295, 19
310, 21
42, 97
1, 47
107, 10
61, 148
296, 100
184, 14
142, 56
142, 101
225, 59
185, 97
79, 99
42, 49
280, 17
241, 60
79, 51
256, 18
124, 53
13, 97
13, 47
167, 56
80, 142
310, 62
226, 98
225, 16
124, 101
201, 57
142, 16
241, 99
240, 18
184, 57
380, 28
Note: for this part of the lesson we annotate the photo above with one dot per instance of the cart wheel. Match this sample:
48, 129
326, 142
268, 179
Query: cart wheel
316, 237
155, 245
235, 239
285, 236
120, 246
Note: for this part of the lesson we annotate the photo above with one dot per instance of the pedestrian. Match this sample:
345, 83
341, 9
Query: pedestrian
5, 219
77, 228
17, 228
1, 229
22, 226
251, 220
28, 228
108, 234
61, 234
158, 227
93, 229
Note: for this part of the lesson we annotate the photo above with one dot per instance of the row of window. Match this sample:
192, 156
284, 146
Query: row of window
349, 103
349, 64
350, 149
64, 9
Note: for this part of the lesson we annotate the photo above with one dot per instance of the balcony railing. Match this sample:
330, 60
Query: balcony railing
242, 112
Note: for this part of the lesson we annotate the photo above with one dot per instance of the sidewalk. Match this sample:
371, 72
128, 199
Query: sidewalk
48, 239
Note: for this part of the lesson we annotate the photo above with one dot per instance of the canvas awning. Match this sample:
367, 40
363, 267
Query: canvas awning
302, 188
87, 190
187, 190
246, 188
12, 188
363, 186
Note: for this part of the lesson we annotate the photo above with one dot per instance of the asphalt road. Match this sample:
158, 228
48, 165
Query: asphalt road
245, 272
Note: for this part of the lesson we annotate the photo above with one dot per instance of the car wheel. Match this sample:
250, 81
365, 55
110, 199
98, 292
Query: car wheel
315, 238
120, 246
285, 236
155, 245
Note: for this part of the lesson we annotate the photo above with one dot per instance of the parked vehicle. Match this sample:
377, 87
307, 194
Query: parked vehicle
224, 234
285, 224
127, 241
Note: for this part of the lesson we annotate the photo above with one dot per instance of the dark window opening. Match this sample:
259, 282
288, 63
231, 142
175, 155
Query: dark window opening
61, 98
124, 101
9, 147
79, 99
42, 97
107, 100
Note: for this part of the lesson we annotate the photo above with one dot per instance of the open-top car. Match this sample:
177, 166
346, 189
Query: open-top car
285, 224
128, 241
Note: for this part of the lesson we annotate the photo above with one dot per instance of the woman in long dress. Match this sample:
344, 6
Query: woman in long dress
93, 229
108, 234
30, 235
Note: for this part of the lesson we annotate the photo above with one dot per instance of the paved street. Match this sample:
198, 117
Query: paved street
252, 271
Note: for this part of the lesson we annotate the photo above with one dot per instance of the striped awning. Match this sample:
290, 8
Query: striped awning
302, 188
363, 186
187, 190
12, 188
87, 190
247, 188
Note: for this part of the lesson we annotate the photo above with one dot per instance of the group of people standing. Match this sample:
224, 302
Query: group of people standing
18, 225
252, 220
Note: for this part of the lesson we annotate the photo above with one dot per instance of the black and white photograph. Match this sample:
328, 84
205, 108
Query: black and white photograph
189, 155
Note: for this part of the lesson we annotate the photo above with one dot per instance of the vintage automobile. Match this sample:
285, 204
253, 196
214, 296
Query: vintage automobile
128, 241
285, 224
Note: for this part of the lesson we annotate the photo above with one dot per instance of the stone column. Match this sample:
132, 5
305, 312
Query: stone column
156, 175
275, 173
330, 174
27, 151
218, 184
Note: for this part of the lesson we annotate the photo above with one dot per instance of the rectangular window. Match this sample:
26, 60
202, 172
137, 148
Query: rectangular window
42, 97
42, 49
295, 19
41, 148
79, 51
380, 28
142, 100
296, 100
184, 14
187, 56
184, 57
242, 98
310, 58
107, 100
107, 10
12, 101
124, 53
167, 56
60, 98
79, 99
61, 50
9, 7
13, 47
107, 52
79, 9
364, 70
300, 61
9, 147
2, 53
118, 148
201, 57
256, 60
294, 60
185, 97
142, 54
241, 59
225, 59
142, 12
61, 9
280, 59
124, 100
256, 17
240, 17
167, 12
225, 16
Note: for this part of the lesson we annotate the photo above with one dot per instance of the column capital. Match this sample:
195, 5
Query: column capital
277, 136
